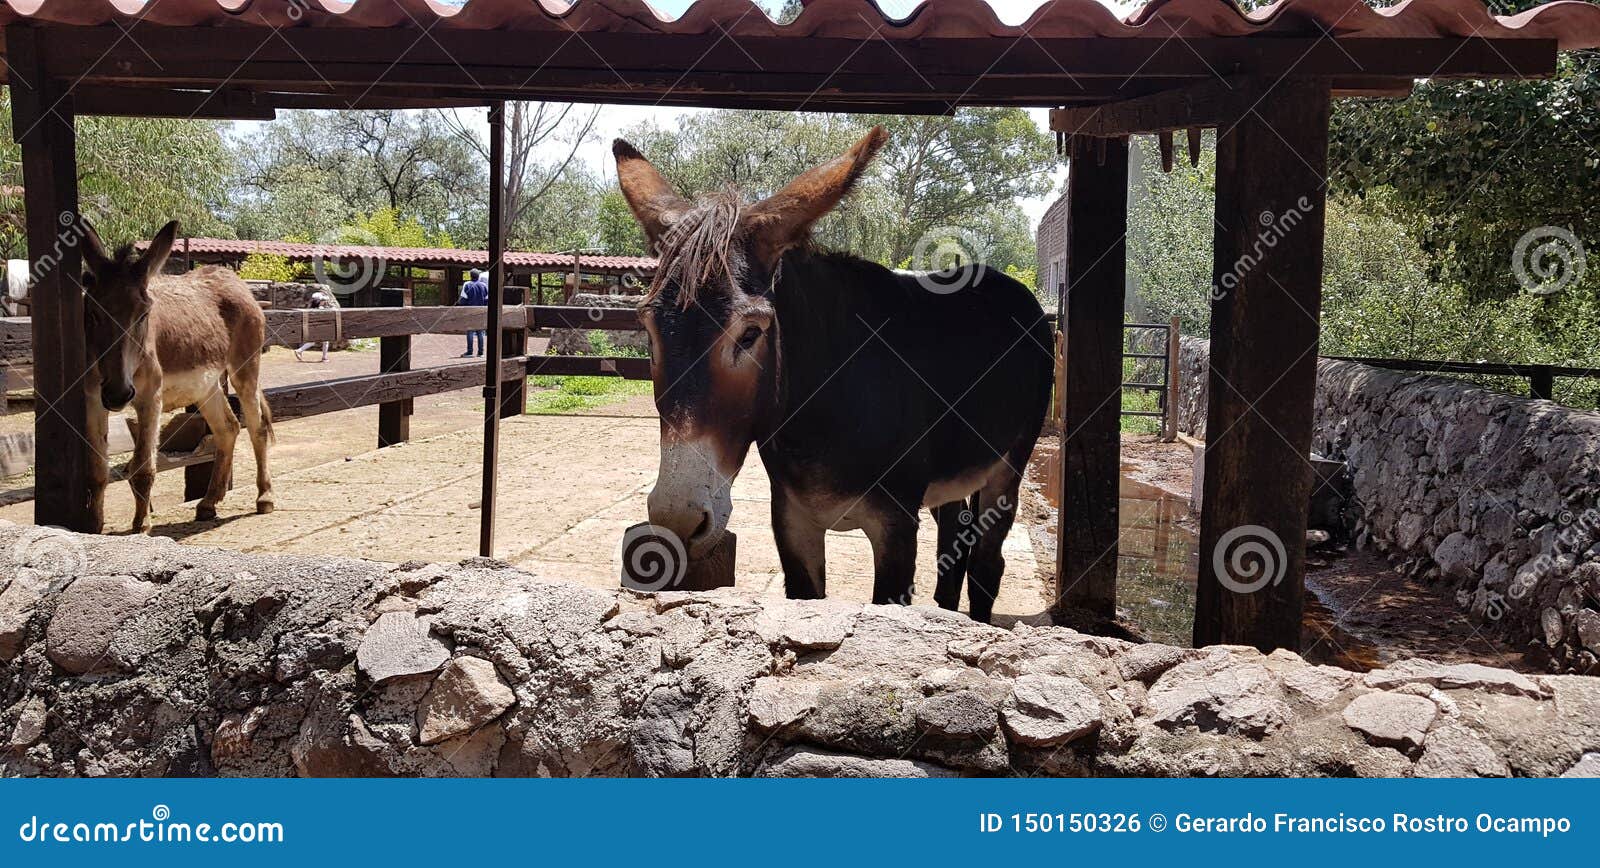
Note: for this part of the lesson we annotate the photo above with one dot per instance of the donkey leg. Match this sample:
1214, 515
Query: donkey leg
801, 549
142, 468
994, 509
893, 535
258, 419
224, 431
99, 461
955, 544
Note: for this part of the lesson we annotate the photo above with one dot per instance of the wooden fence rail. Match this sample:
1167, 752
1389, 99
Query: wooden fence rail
393, 387
1541, 378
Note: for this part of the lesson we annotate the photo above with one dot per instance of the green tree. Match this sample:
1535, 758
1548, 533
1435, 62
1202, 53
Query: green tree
958, 175
134, 174
358, 162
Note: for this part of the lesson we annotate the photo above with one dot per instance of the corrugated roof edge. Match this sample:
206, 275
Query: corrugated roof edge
1572, 24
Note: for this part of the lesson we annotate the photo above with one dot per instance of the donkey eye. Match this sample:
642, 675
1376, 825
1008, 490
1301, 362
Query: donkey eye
748, 339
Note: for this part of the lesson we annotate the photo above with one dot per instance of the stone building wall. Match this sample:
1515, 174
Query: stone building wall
575, 342
1050, 245
139, 656
1496, 494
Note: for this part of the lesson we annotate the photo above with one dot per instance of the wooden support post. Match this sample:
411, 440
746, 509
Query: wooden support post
1169, 421
497, 279
42, 122
1267, 289
1086, 533
394, 356
514, 342
453, 278
1542, 383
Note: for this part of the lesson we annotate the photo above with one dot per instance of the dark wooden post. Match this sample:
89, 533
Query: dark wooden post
1169, 420
42, 122
453, 278
497, 280
1267, 291
1086, 532
1542, 383
513, 343
394, 356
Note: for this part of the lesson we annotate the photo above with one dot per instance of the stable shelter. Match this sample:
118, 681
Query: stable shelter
1264, 80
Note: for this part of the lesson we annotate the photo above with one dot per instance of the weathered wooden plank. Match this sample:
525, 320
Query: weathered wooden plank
1205, 104
1086, 548
331, 396
42, 121
394, 356
1264, 329
546, 316
497, 283
514, 342
294, 327
625, 367
635, 66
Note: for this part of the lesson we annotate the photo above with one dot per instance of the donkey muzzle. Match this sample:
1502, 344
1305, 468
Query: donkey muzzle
115, 397
691, 498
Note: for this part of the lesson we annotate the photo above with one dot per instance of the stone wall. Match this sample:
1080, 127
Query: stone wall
138, 656
1498, 495
575, 342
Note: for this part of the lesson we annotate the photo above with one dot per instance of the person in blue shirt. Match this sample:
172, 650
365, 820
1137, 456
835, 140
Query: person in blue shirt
475, 293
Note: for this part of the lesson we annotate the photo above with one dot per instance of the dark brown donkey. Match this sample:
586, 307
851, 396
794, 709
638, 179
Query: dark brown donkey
160, 342
870, 393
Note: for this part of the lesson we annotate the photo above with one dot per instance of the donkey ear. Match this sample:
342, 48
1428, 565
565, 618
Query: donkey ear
655, 204
785, 219
160, 248
94, 250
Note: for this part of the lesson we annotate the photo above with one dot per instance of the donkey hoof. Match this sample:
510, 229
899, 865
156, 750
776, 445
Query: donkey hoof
205, 513
265, 506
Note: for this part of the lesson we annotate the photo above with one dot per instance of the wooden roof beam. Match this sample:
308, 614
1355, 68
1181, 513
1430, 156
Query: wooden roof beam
1206, 104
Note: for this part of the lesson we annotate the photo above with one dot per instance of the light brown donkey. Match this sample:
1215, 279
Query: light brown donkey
161, 342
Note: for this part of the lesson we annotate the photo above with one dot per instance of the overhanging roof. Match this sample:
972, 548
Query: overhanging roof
838, 55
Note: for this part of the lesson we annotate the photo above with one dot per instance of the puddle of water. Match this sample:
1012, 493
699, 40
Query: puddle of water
1158, 566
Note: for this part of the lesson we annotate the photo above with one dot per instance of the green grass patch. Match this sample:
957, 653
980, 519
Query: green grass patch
580, 394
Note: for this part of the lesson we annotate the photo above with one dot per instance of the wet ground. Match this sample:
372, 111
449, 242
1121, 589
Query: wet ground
1360, 613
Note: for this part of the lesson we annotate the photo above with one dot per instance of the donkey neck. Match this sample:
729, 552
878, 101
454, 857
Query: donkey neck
829, 305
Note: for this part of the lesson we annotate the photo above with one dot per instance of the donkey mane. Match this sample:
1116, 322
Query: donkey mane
698, 245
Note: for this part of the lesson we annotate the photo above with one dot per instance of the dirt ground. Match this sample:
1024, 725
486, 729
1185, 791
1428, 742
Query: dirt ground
1360, 613
568, 487
570, 484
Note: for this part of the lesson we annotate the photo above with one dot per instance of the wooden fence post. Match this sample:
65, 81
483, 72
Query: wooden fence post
497, 285
394, 356
1271, 186
1542, 383
1086, 531
42, 122
513, 343
1169, 422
